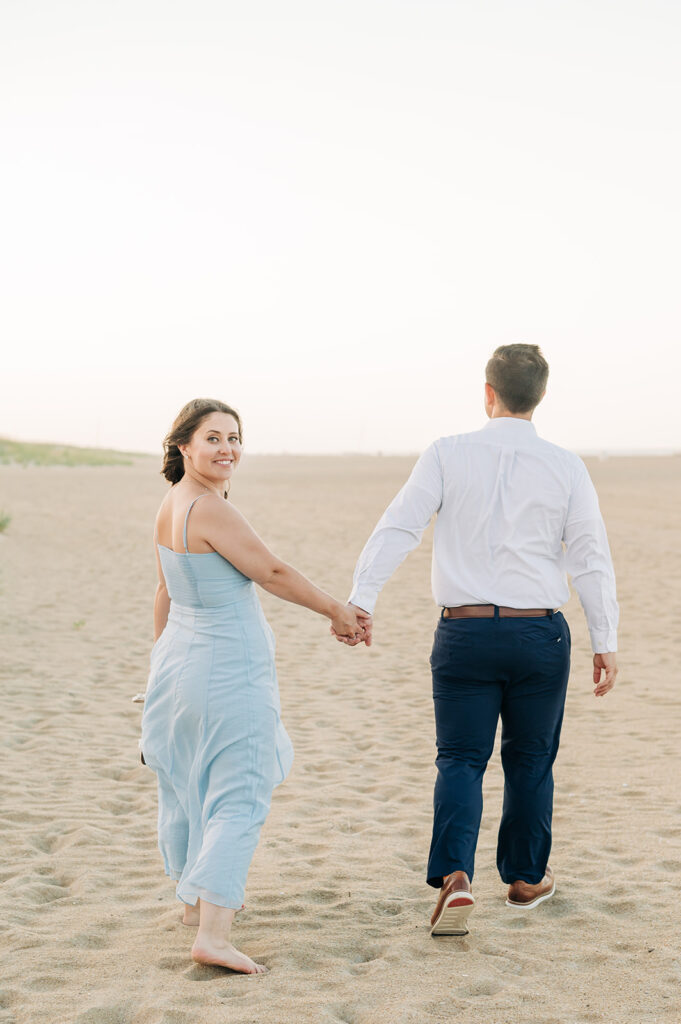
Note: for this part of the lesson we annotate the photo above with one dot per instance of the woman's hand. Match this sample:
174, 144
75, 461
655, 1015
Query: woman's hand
350, 625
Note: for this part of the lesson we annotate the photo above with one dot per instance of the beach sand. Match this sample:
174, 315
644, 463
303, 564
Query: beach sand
337, 905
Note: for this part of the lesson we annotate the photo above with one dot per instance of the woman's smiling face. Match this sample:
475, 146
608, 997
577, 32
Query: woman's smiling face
215, 449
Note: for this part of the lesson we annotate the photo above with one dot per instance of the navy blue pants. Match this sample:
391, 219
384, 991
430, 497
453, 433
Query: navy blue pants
516, 668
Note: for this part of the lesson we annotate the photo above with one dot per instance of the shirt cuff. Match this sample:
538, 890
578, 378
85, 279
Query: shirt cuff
603, 641
364, 599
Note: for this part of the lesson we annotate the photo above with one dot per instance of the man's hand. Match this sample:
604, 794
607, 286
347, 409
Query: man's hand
604, 663
364, 620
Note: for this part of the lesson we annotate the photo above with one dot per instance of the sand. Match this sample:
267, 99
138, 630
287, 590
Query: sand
337, 905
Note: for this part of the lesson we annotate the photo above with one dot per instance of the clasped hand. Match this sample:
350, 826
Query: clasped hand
351, 625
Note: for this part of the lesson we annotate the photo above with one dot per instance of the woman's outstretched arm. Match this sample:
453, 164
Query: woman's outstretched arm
230, 534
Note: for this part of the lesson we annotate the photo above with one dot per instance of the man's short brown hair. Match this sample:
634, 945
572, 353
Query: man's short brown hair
518, 374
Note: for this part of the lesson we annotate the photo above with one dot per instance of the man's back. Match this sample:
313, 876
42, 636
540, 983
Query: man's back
514, 515
506, 496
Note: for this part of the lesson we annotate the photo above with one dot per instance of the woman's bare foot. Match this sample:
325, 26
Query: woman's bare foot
224, 954
192, 915
212, 945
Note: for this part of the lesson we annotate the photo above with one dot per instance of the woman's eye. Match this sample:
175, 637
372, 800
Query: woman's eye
233, 439
212, 438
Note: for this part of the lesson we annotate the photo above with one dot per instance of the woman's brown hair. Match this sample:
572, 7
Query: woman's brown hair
187, 422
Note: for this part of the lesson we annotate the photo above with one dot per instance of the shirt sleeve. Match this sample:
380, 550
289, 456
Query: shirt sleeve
399, 530
588, 561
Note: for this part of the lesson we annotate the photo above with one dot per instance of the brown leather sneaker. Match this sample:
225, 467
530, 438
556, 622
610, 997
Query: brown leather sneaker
453, 907
522, 894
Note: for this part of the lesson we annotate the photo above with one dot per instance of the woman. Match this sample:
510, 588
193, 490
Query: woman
211, 728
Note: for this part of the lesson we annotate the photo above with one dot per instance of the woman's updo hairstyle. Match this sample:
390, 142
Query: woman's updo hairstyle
187, 422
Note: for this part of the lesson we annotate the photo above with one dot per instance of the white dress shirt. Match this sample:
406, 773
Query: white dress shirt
515, 514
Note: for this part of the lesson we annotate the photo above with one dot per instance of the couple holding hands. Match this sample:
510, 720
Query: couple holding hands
515, 514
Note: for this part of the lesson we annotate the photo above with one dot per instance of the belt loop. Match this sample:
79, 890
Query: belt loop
496, 612
442, 613
549, 612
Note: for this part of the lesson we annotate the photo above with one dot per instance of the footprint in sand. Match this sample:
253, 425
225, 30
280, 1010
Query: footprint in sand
363, 962
387, 908
479, 988
8, 996
119, 1013
344, 1014
47, 890
46, 983
176, 964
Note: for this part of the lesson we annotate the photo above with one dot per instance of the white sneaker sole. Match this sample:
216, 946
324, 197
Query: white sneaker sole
452, 920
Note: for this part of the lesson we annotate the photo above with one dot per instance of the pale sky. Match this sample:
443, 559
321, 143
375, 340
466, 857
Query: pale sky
329, 213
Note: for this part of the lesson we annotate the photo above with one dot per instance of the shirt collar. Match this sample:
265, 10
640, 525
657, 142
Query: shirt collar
512, 424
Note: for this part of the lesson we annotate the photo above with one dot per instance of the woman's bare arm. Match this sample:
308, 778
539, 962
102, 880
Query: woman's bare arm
230, 534
161, 601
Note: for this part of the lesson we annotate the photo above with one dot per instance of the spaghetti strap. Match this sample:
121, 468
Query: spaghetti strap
184, 529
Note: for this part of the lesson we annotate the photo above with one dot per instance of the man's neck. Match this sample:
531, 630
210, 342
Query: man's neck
498, 413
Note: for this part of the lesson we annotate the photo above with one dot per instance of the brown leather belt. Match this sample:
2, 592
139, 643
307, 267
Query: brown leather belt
486, 611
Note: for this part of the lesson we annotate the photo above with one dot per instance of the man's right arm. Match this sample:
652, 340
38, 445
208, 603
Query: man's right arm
399, 530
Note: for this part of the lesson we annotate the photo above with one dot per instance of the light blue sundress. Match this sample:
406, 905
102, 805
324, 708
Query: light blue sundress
211, 728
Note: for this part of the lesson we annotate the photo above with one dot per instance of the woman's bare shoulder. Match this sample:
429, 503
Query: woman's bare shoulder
213, 509
164, 512
173, 511
215, 523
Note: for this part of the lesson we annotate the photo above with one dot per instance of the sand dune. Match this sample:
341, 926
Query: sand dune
337, 904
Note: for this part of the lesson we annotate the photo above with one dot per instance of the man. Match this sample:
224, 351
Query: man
514, 515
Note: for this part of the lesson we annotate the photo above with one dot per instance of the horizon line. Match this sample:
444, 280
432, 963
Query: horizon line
592, 452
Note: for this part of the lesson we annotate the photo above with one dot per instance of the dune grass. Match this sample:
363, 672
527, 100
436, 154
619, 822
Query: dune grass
5, 520
28, 453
